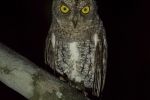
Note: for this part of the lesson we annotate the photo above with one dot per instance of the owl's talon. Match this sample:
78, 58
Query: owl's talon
62, 79
69, 83
73, 86
77, 87
87, 98
85, 93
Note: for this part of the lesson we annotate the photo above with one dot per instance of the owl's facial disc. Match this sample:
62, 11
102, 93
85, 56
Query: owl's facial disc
74, 14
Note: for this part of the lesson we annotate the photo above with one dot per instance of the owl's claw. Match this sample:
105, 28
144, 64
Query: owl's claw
87, 98
77, 87
85, 93
73, 86
69, 83
62, 79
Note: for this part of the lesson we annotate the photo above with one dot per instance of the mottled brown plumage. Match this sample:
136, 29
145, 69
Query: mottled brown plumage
76, 44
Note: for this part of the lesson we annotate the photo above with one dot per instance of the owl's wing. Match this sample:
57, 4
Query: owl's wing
49, 51
100, 64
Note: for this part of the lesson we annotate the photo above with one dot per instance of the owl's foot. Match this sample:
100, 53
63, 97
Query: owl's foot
85, 94
87, 98
77, 87
71, 84
62, 79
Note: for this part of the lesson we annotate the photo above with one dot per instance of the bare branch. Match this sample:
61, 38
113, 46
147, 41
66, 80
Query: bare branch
32, 82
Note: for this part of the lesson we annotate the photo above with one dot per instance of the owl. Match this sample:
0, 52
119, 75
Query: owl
76, 46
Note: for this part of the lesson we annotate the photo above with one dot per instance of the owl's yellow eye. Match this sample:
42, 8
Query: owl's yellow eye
86, 10
64, 9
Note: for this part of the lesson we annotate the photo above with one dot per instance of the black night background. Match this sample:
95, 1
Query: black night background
24, 25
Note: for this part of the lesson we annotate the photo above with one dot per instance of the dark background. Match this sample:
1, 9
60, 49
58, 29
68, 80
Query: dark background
24, 25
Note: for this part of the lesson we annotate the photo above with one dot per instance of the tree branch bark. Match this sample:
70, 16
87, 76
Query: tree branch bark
32, 82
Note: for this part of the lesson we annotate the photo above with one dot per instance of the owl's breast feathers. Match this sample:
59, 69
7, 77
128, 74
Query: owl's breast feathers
76, 59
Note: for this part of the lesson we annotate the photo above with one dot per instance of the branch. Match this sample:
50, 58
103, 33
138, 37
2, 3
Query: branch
32, 82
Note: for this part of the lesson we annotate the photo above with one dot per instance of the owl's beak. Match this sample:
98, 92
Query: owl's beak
75, 21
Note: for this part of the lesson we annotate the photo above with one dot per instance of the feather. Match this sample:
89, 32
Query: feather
100, 64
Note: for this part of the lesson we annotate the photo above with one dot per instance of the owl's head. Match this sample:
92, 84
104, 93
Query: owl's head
74, 14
